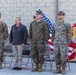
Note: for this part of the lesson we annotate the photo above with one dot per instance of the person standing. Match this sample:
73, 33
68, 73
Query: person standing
34, 17
61, 37
3, 38
18, 38
38, 36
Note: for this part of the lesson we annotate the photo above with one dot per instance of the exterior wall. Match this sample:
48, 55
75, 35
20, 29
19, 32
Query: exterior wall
69, 7
25, 9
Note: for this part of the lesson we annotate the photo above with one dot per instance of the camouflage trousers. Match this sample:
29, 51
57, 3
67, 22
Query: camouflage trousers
60, 52
37, 53
1, 51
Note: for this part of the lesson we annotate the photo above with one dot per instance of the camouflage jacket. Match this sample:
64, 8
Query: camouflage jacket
61, 33
3, 31
38, 32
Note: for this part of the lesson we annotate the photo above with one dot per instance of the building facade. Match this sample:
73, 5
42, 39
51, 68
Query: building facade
25, 9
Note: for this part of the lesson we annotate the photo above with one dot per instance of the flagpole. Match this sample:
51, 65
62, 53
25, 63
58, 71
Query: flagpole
56, 9
36, 6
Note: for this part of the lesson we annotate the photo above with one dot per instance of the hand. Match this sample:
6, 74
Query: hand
45, 42
74, 50
69, 43
10, 43
5, 41
23, 44
30, 40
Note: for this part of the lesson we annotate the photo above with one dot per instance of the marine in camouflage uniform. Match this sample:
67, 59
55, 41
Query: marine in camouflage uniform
3, 37
61, 36
38, 35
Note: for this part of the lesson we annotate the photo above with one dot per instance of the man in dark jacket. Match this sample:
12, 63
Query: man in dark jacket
18, 38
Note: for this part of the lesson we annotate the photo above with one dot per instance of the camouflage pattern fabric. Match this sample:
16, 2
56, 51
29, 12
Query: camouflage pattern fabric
61, 37
38, 33
3, 36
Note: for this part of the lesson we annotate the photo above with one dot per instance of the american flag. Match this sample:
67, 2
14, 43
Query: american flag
50, 31
71, 53
48, 21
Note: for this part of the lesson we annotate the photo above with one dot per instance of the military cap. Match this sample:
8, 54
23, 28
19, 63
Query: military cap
39, 12
61, 13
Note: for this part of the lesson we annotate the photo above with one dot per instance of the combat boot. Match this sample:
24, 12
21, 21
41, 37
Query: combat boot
63, 70
0, 65
58, 70
36, 68
40, 68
